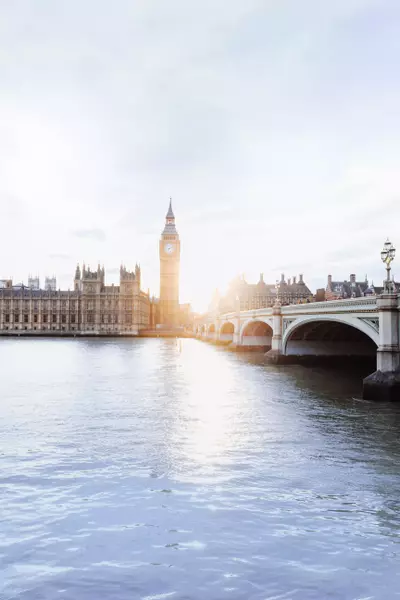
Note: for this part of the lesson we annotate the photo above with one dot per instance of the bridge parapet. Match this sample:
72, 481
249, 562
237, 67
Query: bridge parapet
348, 305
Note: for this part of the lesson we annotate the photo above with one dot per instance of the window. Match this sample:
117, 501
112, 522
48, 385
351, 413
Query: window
63, 319
54, 318
26, 318
72, 318
44, 318
35, 318
16, 318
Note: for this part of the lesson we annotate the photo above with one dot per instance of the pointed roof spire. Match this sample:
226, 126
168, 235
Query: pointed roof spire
170, 213
170, 221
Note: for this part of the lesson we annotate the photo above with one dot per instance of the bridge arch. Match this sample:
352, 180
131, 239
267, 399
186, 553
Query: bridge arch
227, 331
211, 329
256, 332
330, 335
254, 321
227, 327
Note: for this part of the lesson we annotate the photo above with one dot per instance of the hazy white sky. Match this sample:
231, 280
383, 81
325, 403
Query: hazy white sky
274, 125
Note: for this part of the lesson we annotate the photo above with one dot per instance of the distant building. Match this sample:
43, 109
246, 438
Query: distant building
33, 282
263, 295
50, 284
339, 290
186, 315
374, 290
94, 308
5, 284
91, 307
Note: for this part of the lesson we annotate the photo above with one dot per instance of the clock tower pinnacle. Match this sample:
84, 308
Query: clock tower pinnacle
170, 248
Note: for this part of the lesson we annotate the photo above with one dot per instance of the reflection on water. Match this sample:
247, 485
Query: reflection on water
143, 469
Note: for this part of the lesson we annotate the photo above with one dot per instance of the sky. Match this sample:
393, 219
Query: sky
273, 124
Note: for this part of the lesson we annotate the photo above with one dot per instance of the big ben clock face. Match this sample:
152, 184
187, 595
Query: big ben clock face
169, 248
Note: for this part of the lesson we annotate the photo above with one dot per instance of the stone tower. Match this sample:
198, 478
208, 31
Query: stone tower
170, 249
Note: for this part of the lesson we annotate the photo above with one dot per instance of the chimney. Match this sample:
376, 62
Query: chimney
289, 281
301, 278
330, 280
352, 278
282, 278
294, 279
261, 277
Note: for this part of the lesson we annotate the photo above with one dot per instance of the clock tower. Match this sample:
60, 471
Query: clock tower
170, 249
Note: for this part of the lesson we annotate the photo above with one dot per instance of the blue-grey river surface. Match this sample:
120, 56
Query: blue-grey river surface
150, 469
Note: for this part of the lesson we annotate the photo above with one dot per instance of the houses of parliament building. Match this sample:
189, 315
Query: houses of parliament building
93, 308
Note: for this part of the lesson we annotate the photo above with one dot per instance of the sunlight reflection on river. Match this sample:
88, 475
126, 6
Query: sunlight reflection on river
153, 469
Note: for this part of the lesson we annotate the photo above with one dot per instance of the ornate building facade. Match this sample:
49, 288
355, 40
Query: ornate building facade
339, 290
261, 294
91, 308
170, 250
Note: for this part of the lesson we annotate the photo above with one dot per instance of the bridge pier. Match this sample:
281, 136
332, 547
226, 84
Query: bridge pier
384, 384
275, 356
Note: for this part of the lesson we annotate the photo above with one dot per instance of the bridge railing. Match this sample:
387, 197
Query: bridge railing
348, 305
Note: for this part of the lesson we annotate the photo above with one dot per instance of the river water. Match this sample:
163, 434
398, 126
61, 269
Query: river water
151, 469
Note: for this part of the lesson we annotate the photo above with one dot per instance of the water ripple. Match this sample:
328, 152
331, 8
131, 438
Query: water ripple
133, 469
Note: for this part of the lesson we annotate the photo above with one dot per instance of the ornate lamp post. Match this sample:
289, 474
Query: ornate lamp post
387, 255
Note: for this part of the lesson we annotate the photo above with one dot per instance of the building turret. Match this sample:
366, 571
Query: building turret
77, 279
170, 228
137, 273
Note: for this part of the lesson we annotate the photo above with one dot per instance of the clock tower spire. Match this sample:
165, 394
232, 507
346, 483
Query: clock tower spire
170, 248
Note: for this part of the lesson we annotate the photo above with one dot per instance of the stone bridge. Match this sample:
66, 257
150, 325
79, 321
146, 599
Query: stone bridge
357, 327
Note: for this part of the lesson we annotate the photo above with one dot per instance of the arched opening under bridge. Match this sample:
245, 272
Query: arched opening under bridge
330, 338
226, 332
211, 329
257, 334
